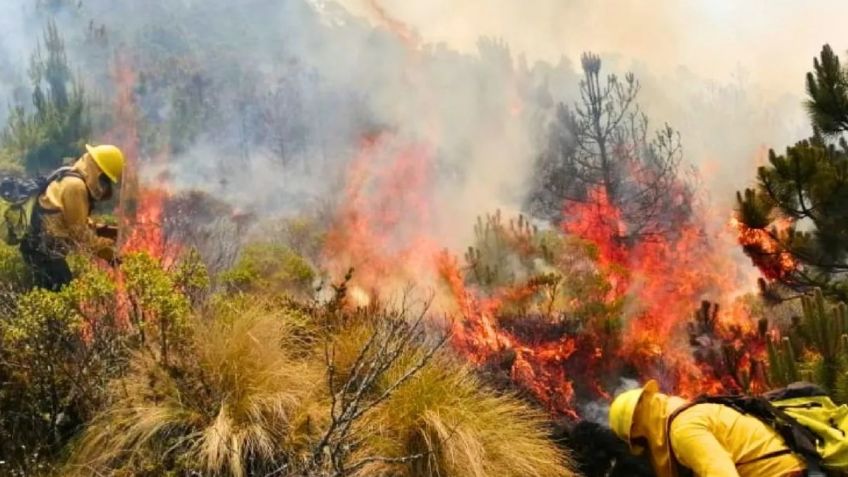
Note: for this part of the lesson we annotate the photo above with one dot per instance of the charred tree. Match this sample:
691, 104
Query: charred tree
601, 150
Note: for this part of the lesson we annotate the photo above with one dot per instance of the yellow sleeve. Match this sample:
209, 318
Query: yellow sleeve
697, 448
75, 211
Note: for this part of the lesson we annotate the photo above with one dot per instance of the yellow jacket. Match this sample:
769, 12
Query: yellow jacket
711, 440
72, 198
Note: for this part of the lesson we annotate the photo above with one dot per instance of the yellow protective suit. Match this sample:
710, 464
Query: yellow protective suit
711, 440
72, 196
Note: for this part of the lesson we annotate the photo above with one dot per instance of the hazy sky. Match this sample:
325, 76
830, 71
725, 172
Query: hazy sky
771, 41
728, 74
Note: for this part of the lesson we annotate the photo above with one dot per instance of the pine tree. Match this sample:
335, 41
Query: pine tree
602, 146
799, 207
57, 124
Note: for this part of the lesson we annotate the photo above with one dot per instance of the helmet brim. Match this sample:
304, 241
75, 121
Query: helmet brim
93, 155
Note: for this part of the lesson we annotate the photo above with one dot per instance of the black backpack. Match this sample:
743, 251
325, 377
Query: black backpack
18, 197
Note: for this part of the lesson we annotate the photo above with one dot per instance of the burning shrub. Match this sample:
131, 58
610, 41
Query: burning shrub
534, 306
540, 273
58, 351
733, 355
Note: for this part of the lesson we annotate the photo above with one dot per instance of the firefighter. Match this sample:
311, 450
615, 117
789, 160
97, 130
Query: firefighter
710, 440
60, 216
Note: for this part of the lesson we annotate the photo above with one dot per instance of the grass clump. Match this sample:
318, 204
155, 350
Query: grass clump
231, 407
460, 428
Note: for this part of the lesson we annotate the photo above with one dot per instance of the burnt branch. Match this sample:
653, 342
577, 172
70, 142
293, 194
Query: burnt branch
357, 391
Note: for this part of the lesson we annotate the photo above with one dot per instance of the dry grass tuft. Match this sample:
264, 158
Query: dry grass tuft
229, 409
460, 429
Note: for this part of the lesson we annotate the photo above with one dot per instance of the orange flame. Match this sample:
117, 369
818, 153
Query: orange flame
665, 279
662, 280
140, 209
382, 229
380, 226
765, 251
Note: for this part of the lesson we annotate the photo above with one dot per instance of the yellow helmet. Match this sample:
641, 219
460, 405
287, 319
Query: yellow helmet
109, 159
624, 407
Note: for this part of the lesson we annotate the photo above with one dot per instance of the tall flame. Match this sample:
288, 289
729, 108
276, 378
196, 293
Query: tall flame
380, 226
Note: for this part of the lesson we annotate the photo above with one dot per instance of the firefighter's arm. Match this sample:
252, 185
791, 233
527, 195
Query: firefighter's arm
75, 210
697, 448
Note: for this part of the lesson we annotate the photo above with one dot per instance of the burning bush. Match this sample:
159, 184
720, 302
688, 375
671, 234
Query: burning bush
535, 304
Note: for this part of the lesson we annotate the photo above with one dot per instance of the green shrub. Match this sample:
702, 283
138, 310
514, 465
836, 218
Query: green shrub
269, 268
157, 307
58, 351
14, 273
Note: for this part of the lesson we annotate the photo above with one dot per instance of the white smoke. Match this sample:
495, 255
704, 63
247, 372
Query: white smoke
329, 72
598, 411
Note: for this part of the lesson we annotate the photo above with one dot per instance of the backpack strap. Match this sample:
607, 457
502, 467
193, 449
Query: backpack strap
60, 174
38, 211
678, 468
798, 439
57, 176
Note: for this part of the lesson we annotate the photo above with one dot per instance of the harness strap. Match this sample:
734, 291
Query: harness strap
36, 239
776, 453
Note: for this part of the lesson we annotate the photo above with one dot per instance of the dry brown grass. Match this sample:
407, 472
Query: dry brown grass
251, 397
462, 429
236, 402
457, 426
